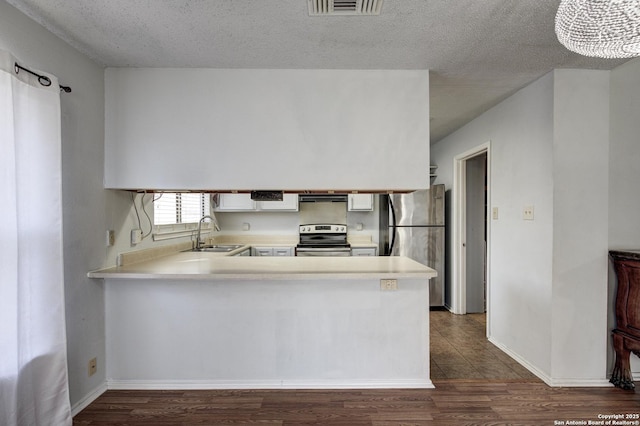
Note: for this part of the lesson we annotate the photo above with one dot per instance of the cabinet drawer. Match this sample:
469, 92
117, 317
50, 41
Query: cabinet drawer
369, 251
283, 251
272, 251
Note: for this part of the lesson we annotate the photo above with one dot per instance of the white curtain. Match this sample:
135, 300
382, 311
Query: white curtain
33, 360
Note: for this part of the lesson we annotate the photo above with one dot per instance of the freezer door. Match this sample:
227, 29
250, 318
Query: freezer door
424, 245
420, 208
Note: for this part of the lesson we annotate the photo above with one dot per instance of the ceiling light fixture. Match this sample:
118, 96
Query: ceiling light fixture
600, 28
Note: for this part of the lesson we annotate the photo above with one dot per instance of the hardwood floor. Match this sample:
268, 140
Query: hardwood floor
457, 402
476, 384
460, 350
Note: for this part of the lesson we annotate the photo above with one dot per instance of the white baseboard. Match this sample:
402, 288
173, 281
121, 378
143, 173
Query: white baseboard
239, 384
266, 384
578, 382
581, 383
88, 399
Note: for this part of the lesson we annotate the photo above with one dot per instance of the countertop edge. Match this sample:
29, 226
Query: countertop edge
205, 266
261, 277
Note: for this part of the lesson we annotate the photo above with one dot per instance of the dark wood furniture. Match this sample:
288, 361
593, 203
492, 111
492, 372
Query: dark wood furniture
626, 335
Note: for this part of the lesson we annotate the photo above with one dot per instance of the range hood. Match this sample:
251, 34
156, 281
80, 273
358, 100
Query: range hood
322, 198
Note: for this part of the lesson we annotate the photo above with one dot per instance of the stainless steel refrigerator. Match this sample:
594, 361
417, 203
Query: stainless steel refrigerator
413, 225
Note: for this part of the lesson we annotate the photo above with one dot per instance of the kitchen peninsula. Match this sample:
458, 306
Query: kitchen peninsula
205, 320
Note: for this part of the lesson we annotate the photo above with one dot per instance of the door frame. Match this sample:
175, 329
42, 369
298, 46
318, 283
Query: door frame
458, 287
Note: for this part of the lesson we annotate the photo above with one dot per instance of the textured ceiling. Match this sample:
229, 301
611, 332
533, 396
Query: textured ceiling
479, 51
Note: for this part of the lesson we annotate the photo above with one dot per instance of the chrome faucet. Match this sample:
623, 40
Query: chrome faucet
198, 238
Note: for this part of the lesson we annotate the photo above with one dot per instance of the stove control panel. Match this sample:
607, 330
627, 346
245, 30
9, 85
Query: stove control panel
323, 229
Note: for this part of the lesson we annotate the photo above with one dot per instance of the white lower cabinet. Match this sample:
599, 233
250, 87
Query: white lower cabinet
245, 252
363, 251
272, 251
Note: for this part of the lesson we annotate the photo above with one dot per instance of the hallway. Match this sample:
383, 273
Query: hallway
460, 350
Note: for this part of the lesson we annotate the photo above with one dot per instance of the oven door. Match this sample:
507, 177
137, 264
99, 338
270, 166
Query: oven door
323, 251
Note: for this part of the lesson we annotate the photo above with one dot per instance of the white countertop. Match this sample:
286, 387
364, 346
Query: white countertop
214, 266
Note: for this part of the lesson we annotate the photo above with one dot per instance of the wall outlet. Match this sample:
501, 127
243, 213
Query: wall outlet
111, 237
388, 284
136, 236
93, 366
527, 213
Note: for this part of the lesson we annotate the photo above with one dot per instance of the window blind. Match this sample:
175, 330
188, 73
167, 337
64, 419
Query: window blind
180, 207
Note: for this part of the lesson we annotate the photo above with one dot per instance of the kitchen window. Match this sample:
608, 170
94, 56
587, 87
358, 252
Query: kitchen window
176, 214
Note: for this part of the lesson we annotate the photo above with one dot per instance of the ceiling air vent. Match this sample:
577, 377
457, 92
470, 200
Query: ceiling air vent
344, 7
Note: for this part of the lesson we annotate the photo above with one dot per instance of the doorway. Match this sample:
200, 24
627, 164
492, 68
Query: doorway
471, 273
476, 233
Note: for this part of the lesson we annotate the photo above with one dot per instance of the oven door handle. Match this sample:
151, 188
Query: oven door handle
323, 249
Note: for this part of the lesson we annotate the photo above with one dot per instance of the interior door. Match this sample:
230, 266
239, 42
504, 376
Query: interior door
475, 245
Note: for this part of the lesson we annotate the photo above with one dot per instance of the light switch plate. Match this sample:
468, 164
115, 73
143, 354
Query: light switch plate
494, 213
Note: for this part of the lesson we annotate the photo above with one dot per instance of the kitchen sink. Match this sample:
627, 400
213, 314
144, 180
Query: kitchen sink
218, 248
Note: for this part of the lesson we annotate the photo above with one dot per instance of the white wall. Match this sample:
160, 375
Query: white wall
624, 157
549, 149
121, 217
585, 152
85, 203
244, 129
624, 171
580, 225
257, 333
520, 132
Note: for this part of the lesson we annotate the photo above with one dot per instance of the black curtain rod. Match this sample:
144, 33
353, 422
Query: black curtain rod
42, 79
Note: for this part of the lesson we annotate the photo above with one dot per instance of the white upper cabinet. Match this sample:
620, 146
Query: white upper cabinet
360, 202
243, 202
252, 129
234, 203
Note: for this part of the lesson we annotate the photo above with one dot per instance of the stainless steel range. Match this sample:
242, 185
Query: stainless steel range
323, 239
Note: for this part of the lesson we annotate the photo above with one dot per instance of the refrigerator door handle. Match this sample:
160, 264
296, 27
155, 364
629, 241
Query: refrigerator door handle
393, 226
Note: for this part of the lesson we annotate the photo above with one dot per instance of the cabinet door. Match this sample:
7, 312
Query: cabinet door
283, 251
262, 251
360, 202
246, 252
273, 251
363, 251
235, 202
289, 203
